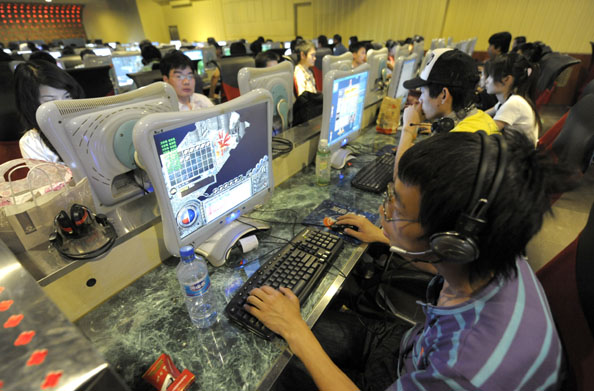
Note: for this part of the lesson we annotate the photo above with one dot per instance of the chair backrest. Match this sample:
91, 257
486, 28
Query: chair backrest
575, 143
551, 66
567, 282
229, 67
317, 69
95, 81
145, 78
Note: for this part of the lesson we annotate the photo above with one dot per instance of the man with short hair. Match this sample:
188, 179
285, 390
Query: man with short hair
498, 44
177, 71
339, 48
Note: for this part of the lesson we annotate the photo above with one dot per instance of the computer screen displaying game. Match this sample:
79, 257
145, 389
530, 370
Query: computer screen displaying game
208, 168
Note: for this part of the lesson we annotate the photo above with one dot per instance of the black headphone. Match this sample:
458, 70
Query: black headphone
80, 224
443, 125
461, 246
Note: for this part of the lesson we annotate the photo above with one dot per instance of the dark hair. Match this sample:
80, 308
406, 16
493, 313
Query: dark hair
263, 58
353, 39
462, 97
143, 43
323, 41
337, 38
354, 47
85, 52
68, 51
174, 60
237, 49
525, 76
445, 166
501, 41
256, 47
32, 46
150, 53
211, 41
518, 41
534, 51
41, 55
27, 79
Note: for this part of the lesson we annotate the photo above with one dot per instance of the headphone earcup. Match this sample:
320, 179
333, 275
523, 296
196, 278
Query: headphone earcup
454, 247
64, 225
81, 217
443, 125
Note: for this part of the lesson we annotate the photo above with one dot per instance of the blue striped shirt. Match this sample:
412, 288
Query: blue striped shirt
502, 339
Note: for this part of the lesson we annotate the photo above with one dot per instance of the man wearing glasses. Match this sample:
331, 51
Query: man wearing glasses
176, 69
488, 324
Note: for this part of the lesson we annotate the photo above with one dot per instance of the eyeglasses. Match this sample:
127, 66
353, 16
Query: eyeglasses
388, 206
182, 77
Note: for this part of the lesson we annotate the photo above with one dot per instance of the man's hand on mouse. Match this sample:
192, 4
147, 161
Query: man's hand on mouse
367, 231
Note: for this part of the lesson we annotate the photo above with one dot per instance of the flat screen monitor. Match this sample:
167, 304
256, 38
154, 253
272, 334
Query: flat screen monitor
124, 64
209, 54
266, 47
407, 72
112, 45
344, 101
222, 43
209, 168
8, 51
102, 51
287, 44
278, 80
226, 51
377, 60
175, 43
194, 54
94, 138
54, 54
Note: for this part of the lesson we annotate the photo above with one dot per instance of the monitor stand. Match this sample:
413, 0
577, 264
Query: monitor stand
216, 249
340, 157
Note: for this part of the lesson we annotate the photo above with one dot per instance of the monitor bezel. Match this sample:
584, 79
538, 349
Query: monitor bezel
143, 136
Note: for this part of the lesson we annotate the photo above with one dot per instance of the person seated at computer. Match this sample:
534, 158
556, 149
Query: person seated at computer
266, 59
359, 54
84, 52
67, 51
498, 44
512, 79
151, 56
339, 48
176, 69
237, 49
304, 77
488, 325
323, 41
38, 82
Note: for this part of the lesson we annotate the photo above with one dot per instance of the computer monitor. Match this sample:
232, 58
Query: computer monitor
287, 44
209, 54
404, 69
344, 101
8, 51
127, 62
378, 72
344, 62
54, 54
418, 50
112, 45
278, 80
330, 41
208, 168
222, 43
226, 51
194, 54
176, 43
94, 138
471, 45
90, 60
266, 47
104, 51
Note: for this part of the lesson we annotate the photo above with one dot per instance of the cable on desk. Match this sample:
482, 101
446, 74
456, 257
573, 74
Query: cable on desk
281, 146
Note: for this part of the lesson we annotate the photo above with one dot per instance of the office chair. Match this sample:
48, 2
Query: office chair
95, 81
575, 143
229, 67
317, 69
551, 66
566, 280
145, 78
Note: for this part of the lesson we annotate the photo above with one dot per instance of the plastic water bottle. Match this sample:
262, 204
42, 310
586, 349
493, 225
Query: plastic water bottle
192, 275
323, 163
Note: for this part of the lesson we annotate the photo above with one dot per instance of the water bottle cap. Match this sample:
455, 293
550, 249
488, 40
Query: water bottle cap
323, 142
186, 251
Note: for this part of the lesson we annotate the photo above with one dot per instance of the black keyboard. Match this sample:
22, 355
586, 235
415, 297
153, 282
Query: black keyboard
299, 265
376, 175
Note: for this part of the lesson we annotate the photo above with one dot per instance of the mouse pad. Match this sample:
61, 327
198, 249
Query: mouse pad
325, 214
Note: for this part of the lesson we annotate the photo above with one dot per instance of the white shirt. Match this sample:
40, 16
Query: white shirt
517, 113
304, 79
197, 102
33, 147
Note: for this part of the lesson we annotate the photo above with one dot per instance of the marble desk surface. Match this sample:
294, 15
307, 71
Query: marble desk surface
149, 317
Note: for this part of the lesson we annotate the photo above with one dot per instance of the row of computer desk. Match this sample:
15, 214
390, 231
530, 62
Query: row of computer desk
148, 318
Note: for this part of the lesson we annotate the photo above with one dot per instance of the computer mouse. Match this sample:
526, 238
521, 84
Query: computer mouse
336, 227
340, 158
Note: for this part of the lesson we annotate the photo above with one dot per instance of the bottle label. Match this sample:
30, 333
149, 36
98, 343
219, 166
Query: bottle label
197, 289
